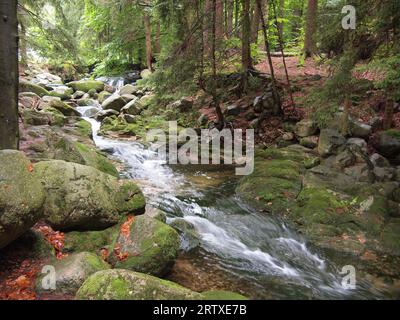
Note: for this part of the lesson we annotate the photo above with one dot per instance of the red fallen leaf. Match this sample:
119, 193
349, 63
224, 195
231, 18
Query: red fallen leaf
22, 282
126, 226
30, 168
121, 256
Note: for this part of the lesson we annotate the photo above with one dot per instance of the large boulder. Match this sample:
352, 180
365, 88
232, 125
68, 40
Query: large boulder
129, 285
64, 108
115, 102
331, 142
133, 108
145, 245
26, 86
71, 272
21, 196
388, 144
83, 198
103, 96
87, 85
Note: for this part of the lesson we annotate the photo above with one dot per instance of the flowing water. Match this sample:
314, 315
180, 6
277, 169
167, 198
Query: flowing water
240, 249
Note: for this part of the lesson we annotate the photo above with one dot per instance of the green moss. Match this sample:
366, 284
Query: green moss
25, 86
393, 133
84, 128
223, 295
87, 85
130, 198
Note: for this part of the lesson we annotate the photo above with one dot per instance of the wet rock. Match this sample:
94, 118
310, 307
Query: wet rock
306, 128
86, 102
26, 86
331, 142
153, 252
21, 196
92, 93
190, 239
114, 102
71, 272
83, 198
86, 85
129, 285
156, 214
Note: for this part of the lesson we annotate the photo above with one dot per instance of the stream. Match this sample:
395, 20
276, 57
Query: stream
241, 249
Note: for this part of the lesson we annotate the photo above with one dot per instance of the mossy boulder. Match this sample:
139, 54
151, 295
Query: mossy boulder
64, 93
114, 102
87, 85
129, 285
148, 246
71, 272
26, 86
90, 241
331, 142
388, 144
64, 108
190, 239
103, 96
21, 196
84, 198
223, 295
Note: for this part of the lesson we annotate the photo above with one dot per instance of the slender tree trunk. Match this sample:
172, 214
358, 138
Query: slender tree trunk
346, 114
157, 45
281, 15
9, 131
311, 25
207, 26
23, 46
149, 53
256, 22
217, 106
229, 18
237, 10
219, 21
246, 50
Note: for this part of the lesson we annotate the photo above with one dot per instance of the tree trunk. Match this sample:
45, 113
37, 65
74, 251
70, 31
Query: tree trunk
23, 46
281, 15
256, 21
311, 25
246, 51
9, 131
219, 22
207, 26
157, 45
149, 53
388, 116
237, 10
229, 18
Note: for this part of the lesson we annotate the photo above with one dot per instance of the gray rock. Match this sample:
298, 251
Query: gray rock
128, 118
360, 173
288, 136
77, 95
21, 196
128, 97
306, 128
379, 161
331, 142
345, 159
133, 108
359, 129
71, 272
183, 105
84, 198
101, 115
388, 144
383, 174
128, 89
358, 142
115, 102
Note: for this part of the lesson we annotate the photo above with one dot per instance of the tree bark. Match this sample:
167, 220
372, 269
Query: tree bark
207, 26
281, 15
255, 26
219, 22
229, 18
388, 116
9, 131
149, 53
246, 51
157, 45
311, 25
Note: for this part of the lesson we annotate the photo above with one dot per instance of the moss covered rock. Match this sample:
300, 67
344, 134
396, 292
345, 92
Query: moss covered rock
147, 246
129, 285
223, 295
26, 86
71, 272
83, 198
64, 93
87, 85
64, 108
21, 196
